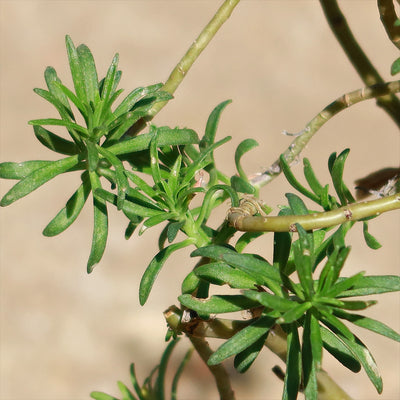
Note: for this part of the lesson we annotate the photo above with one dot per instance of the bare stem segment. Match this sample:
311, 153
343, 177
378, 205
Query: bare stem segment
182, 68
240, 219
319, 120
370, 76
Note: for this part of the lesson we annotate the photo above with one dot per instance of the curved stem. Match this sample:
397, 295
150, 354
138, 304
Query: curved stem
359, 60
242, 221
388, 16
319, 120
182, 68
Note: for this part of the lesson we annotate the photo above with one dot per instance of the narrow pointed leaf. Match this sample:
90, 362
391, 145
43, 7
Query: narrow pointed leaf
244, 146
174, 386
212, 125
51, 78
241, 185
126, 393
70, 212
217, 304
219, 273
154, 268
369, 239
312, 180
55, 142
20, 170
110, 79
367, 285
293, 365
37, 178
101, 396
60, 122
369, 323
166, 137
295, 313
339, 350
245, 359
308, 362
89, 73
100, 225
337, 178
76, 70
270, 301
294, 182
242, 340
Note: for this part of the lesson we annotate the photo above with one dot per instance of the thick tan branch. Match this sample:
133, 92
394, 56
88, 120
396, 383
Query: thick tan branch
242, 221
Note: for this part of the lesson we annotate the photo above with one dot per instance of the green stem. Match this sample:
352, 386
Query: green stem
357, 57
340, 104
182, 68
242, 220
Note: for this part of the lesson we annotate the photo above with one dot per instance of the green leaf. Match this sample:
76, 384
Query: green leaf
174, 386
270, 301
367, 361
245, 239
154, 268
51, 78
309, 362
296, 204
60, 122
92, 155
173, 229
368, 323
133, 97
241, 185
101, 396
100, 225
219, 273
162, 369
369, 239
244, 146
217, 304
367, 285
155, 220
395, 68
80, 105
55, 142
76, 70
294, 182
312, 180
126, 393
339, 350
70, 212
337, 178
293, 365
295, 313
245, 359
135, 383
130, 209
166, 137
215, 252
37, 178
212, 124
89, 73
258, 268
190, 283
282, 245
202, 160
303, 250
343, 285
316, 340
20, 170
132, 225
111, 80
242, 340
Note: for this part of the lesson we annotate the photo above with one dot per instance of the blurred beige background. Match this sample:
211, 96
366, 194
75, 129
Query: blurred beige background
64, 333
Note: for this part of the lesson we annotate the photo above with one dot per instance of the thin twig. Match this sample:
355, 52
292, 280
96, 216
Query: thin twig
316, 123
389, 18
182, 68
242, 221
359, 60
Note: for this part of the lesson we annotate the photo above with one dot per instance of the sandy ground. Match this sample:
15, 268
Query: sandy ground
64, 333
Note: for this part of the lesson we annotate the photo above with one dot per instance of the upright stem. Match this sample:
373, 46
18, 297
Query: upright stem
219, 372
359, 60
182, 68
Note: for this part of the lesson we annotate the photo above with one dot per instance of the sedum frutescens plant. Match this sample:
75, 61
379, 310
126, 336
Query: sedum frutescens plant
298, 304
